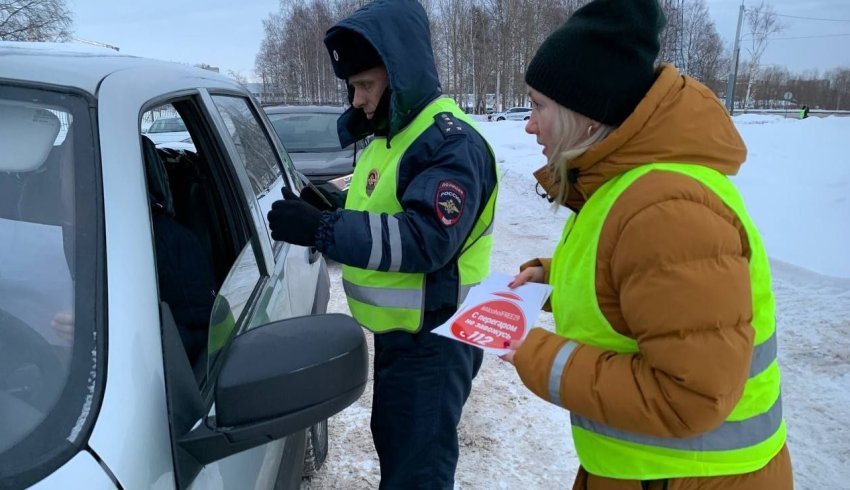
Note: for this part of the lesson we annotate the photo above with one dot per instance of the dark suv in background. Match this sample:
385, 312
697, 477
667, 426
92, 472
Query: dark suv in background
310, 136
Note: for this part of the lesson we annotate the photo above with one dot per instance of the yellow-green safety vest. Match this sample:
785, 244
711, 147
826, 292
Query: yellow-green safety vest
392, 300
755, 430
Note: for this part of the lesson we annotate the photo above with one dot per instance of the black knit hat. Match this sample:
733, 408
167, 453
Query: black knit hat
601, 62
350, 52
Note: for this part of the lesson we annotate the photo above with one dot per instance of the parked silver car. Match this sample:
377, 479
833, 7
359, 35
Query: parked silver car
152, 335
512, 114
166, 130
310, 136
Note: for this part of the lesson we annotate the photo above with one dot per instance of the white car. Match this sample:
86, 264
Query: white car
152, 335
166, 130
512, 114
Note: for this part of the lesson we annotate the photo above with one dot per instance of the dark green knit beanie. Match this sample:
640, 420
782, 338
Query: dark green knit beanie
601, 62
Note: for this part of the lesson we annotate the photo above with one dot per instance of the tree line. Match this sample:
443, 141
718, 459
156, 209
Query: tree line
482, 48
829, 90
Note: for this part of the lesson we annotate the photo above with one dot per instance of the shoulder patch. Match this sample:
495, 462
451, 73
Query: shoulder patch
448, 202
449, 125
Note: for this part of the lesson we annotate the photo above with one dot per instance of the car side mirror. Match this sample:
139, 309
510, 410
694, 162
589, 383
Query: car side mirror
281, 378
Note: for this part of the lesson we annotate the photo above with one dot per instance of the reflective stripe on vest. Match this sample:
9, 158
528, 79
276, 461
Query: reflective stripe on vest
392, 300
763, 356
754, 431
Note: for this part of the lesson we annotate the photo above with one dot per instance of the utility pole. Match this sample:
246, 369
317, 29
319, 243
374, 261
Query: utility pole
733, 77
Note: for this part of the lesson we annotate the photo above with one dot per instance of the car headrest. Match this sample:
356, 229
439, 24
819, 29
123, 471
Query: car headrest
159, 191
27, 134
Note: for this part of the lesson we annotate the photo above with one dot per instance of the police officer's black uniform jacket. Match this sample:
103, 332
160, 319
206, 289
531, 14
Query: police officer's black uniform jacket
437, 156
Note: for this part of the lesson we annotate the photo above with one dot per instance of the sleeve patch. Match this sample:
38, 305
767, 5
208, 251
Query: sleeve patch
448, 203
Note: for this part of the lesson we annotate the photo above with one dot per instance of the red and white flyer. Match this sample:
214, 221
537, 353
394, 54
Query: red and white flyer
493, 315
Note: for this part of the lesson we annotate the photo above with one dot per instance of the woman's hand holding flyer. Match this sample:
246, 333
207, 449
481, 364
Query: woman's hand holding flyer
493, 314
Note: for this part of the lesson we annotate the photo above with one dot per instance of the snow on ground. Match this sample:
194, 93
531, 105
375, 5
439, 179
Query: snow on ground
796, 183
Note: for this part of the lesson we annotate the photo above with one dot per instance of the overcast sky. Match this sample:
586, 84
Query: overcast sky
227, 34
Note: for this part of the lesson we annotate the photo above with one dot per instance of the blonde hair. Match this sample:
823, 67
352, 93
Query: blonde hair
575, 140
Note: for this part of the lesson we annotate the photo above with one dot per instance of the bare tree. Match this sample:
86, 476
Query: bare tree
292, 62
690, 40
773, 83
701, 47
671, 35
840, 85
763, 23
34, 20
818, 91
516, 30
481, 47
238, 76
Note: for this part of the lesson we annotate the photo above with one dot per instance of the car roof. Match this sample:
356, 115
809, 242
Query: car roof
300, 109
82, 67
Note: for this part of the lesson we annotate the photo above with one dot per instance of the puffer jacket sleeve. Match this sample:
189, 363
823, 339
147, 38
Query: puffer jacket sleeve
682, 277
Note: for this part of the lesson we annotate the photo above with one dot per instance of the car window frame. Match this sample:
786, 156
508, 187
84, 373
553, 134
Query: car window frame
288, 167
245, 221
284, 161
283, 156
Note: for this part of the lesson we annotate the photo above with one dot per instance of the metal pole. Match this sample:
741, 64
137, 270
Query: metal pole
733, 77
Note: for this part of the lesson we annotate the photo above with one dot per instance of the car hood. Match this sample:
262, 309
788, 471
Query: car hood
329, 164
167, 137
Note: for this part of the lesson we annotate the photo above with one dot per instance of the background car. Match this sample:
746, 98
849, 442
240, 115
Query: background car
512, 114
310, 137
167, 129
152, 335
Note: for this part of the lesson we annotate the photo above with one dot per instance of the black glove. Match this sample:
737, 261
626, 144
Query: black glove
293, 220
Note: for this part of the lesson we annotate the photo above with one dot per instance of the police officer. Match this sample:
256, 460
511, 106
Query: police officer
414, 236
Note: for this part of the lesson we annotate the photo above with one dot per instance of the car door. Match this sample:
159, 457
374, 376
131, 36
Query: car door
291, 288
205, 215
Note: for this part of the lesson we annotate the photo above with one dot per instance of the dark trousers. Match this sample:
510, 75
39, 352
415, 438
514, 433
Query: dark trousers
421, 382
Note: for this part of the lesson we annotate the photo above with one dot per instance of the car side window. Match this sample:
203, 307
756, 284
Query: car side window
255, 148
207, 266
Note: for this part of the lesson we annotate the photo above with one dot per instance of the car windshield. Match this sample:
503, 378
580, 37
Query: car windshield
168, 125
307, 132
49, 342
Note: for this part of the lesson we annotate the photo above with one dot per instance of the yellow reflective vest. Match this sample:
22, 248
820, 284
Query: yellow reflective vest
755, 430
393, 300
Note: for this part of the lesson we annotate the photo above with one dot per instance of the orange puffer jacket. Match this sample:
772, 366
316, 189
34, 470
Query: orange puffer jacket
672, 273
